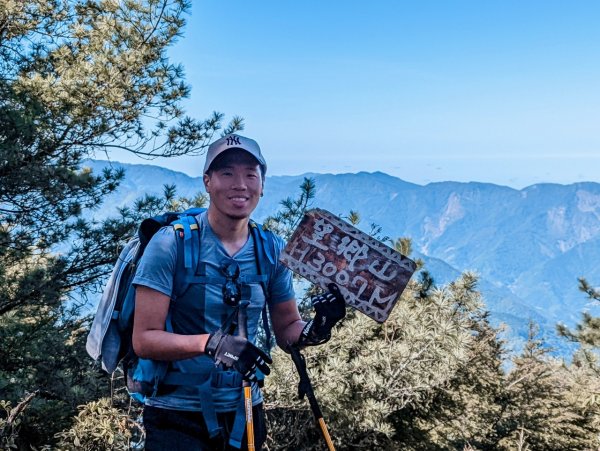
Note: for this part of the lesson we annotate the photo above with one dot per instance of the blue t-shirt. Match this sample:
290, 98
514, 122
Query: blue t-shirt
201, 309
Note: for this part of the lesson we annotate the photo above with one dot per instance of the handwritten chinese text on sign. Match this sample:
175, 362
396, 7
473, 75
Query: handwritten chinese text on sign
371, 275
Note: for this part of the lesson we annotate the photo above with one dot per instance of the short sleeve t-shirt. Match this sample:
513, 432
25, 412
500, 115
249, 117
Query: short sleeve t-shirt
201, 310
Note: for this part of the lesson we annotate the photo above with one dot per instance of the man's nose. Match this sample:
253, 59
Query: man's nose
239, 182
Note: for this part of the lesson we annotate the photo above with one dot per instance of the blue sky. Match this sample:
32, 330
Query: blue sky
505, 92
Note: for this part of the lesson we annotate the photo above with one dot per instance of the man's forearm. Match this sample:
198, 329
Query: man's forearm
162, 345
290, 334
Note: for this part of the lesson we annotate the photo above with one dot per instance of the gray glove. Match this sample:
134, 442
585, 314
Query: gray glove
329, 308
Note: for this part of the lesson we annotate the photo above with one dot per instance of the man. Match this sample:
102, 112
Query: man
180, 417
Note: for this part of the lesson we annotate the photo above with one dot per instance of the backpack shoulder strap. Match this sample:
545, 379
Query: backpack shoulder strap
184, 227
264, 250
266, 239
187, 235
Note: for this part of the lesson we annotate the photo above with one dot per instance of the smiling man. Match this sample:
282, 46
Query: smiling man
199, 332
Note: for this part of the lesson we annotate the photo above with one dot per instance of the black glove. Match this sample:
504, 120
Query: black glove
329, 308
233, 351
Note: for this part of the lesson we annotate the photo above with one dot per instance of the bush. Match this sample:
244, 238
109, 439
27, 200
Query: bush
369, 371
98, 426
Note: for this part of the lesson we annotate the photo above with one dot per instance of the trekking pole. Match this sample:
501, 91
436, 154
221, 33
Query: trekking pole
305, 388
243, 331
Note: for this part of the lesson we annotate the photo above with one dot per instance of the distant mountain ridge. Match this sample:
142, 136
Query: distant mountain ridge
528, 245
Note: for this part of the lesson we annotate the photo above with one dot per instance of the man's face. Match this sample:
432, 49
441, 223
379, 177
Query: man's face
235, 184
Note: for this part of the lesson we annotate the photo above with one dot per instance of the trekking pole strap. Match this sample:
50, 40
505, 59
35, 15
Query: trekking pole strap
305, 386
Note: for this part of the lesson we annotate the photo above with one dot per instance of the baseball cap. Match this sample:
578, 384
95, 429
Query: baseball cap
234, 142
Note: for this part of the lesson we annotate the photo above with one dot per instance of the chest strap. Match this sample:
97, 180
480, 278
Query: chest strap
221, 280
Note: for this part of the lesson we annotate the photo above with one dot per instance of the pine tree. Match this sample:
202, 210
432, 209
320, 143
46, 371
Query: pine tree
539, 411
368, 373
587, 332
584, 369
77, 79
463, 412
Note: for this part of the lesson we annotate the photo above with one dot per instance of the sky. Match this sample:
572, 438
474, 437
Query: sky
505, 92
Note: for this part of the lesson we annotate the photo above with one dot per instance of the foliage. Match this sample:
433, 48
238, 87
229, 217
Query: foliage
98, 426
368, 372
44, 346
585, 383
540, 411
285, 221
587, 332
10, 421
79, 78
585, 367
431, 378
463, 412
88, 76
76, 78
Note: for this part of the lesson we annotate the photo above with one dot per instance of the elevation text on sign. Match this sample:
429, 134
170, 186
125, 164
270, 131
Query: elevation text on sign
370, 275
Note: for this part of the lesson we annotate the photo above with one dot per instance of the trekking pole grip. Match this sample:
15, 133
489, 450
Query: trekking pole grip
243, 319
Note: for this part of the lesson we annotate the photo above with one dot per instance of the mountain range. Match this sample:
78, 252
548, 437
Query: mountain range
529, 246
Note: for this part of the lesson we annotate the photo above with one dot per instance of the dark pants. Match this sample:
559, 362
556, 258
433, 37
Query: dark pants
175, 430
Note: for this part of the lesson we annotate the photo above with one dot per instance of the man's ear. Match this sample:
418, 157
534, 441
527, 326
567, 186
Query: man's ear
206, 179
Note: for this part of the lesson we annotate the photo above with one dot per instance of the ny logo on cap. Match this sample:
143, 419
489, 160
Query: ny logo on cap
231, 140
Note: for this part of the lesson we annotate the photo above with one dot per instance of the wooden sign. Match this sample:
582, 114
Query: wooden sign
371, 275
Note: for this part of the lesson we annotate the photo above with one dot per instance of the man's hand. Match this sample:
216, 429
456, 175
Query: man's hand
238, 353
329, 308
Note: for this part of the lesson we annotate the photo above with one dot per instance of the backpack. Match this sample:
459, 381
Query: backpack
109, 339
